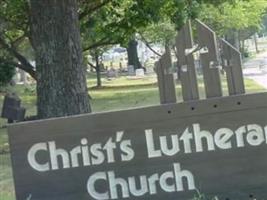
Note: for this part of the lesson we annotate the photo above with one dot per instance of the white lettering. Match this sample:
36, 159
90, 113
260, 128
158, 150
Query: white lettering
200, 135
32, 157
152, 152
255, 135
91, 186
222, 138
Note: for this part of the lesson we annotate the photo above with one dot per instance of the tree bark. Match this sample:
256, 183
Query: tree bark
233, 38
98, 70
256, 43
61, 76
133, 58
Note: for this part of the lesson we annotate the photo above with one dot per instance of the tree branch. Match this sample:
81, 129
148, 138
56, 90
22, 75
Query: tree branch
91, 64
93, 9
148, 45
99, 44
24, 63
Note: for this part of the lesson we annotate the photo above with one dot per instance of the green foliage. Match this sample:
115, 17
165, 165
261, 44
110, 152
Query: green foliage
239, 16
264, 26
119, 20
14, 19
166, 35
7, 71
103, 22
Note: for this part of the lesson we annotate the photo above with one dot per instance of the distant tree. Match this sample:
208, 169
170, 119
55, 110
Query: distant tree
236, 21
165, 37
264, 24
96, 55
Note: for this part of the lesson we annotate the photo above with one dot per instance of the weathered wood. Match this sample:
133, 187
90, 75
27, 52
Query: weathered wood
209, 60
211, 76
233, 173
232, 63
165, 77
185, 83
207, 38
184, 42
188, 90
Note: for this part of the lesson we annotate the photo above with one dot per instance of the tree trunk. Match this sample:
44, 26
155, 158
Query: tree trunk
242, 48
233, 38
98, 70
237, 40
61, 76
133, 55
256, 43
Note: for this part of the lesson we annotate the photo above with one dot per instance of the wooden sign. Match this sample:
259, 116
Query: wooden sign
217, 146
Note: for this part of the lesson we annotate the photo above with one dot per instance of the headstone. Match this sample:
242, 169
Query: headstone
111, 73
140, 72
131, 71
11, 108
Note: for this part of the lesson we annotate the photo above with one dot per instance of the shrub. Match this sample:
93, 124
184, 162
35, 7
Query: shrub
7, 71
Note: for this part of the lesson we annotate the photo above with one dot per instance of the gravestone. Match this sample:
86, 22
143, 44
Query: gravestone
131, 71
11, 109
140, 72
112, 73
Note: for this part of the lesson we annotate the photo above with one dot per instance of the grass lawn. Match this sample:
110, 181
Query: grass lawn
119, 93
6, 181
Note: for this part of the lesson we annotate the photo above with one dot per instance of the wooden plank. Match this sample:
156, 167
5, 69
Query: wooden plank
185, 83
184, 41
211, 76
233, 68
189, 90
166, 82
207, 38
230, 80
170, 92
192, 78
233, 168
209, 60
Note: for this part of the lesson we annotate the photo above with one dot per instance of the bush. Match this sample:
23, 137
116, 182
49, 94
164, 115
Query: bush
7, 71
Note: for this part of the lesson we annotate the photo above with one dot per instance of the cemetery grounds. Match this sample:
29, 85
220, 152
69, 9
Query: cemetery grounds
115, 94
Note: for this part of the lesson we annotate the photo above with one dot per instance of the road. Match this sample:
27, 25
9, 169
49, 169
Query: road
252, 69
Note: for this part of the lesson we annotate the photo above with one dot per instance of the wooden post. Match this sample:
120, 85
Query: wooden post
184, 42
209, 60
165, 79
232, 63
